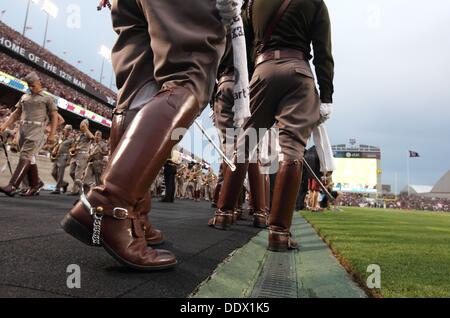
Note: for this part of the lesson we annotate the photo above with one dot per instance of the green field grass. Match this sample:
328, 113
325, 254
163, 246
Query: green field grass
411, 247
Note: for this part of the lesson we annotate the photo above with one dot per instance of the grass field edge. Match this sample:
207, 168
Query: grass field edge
354, 274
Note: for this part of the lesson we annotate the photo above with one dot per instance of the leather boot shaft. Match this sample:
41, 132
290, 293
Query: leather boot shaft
35, 183
138, 158
19, 174
120, 123
256, 181
267, 192
152, 235
217, 193
226, 213
287, 185
232, 187
148, 142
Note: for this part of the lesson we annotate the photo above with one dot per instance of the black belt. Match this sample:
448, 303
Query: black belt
279, 54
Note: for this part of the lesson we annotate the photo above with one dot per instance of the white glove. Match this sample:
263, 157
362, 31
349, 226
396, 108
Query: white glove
228, 10
325, 112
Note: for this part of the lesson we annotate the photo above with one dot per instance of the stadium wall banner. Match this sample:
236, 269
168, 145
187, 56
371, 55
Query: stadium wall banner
357, 154
35, 59
14, 83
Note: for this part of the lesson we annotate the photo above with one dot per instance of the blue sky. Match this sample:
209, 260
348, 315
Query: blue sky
392, 65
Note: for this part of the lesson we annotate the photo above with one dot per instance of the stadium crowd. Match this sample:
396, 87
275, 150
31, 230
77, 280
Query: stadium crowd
177, 179
403, 201
17, 69
31, 46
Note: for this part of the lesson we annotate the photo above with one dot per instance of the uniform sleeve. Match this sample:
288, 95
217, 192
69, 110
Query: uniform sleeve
323, 58
249, 39
51, 106
19, 104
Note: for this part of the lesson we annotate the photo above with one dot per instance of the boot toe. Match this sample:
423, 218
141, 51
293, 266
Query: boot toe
164, 257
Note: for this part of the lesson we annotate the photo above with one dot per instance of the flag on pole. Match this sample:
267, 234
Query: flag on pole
413, 154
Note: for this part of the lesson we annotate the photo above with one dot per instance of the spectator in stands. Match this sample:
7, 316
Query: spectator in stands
17, 69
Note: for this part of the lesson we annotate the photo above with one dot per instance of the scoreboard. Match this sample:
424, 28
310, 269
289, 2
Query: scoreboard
357, 169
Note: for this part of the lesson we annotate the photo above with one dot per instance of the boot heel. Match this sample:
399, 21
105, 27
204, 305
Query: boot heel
222, 223
277, 247
77, 230
259, 221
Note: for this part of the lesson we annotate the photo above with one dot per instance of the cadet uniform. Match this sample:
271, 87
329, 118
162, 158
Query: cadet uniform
178, 46
180, 180
34, 110
209, 184
224, 122
94, 168
79, 161
198, 182
185, 176
61, 161
283, 93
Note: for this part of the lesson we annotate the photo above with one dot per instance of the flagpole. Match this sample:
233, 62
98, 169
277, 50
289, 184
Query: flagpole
46, 30
407, 170
26, 18
396, 183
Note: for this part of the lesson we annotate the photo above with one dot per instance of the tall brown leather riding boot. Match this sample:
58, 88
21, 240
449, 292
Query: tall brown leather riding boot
35, 183
153, 236
251, 205
121, 121
231, 190
287, 185
267, 192
216, 195
16, 179
107, 216
256, 181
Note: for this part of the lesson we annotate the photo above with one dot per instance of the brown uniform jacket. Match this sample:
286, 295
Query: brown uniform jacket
304, 23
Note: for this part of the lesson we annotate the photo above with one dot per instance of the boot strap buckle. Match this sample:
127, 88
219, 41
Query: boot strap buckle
120, 213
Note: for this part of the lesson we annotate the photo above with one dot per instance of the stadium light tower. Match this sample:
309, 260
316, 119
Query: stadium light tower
52, 10
111, 79
106, 54
26, 15
2, 14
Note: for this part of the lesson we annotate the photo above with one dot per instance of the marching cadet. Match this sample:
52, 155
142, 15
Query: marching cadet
223, 104
97, 151
34, 111
185, 176
283, 92
209, 180
61, 157
80, 156
180, 179
197, 181
179, 50
191, 181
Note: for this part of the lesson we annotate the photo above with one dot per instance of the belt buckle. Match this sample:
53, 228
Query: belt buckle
120, 213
